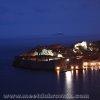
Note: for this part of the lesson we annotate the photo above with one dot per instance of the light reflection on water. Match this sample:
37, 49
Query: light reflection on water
68, 83
58, 74
76, 77
72, 72
84, 74
76, 74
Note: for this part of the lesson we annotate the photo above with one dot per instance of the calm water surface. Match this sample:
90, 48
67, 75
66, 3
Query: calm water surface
22, 81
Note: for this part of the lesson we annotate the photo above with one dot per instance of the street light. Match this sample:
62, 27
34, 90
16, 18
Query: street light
67, 60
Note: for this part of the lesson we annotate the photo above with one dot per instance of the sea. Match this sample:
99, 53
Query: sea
19, 83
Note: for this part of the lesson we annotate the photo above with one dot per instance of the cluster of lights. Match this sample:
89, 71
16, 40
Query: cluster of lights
44, 52
76, 67
91, 63
47, 52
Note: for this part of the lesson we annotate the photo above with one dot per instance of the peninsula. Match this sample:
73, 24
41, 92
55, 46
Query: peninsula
57, 57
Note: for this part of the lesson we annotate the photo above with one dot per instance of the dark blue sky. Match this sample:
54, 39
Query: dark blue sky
47, 18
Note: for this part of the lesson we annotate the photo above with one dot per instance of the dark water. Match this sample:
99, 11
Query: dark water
22, 81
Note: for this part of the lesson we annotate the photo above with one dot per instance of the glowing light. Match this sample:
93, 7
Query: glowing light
46, 52
72, 67
90, 44
83, 44
67, 59
50, 53
85, 63
76, 67
50, 59
57, 68
92, 63
35, 53
60, 55
99, 63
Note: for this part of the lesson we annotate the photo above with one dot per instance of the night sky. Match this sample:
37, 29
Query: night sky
50, 18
